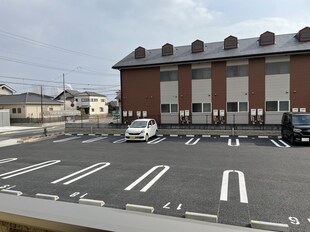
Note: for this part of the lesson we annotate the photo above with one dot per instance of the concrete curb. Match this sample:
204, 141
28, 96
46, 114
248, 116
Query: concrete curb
47, 196
12, 192
39, 137
140, 208
84, 201
269, 226
201, 217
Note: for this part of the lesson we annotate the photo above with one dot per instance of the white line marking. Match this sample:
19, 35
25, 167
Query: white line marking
158, 140
206, 136
66, 139
93, 139
242, 187
179, 207
166, 206
275, 143
9, 142
29, 169
173, 135
146, 187
120, 141
117, 135
190, 136
80, 134
194, 143
285, 144
104, 164
224, 136
236, 145
243, 136
92, 135
105, 135
68, 134
7, 160
263, 137
160, 135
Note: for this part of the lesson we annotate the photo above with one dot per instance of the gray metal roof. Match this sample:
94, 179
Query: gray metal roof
69, 94
27, 98
284, 44
94, 94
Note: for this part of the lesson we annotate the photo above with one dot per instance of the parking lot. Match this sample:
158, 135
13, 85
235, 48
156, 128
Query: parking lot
236, 178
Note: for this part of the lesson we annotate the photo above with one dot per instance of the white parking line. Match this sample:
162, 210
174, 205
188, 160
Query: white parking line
28, 169
120, 141
285, 144
243, 136
224, 136
173, 135
93, 139
9, 142
236, 145
191, 136
275, 143
103, 165
158, 140
66, 139
194, 143
117, 135
242, 187
206, 136
263, 137
156, 178
7, 160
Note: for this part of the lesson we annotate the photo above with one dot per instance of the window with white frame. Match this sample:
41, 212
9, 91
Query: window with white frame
201, 107
277, 68
201, 73
277, 106
237, 106
237, 71
168, 76
169, 108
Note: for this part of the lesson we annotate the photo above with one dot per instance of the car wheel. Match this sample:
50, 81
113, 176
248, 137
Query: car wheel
146, 137
292, 140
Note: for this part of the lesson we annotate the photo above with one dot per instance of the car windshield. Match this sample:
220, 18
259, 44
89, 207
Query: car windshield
301, 119
138, 124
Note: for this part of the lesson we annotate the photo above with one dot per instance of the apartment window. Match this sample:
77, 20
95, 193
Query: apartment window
19, 110
76, 100
237, 71
95, 99
102, 99
277, 68
237, 106
277, 106
14, 110
174, 108
197, 107
50, 109
165, 108
201, 107
169, 76
85, 99
92, 110
267, 38
169, 108
232, 106
101, 109
206, 107
230, 42
201, 73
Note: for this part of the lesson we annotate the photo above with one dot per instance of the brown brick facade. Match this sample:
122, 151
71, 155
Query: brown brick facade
300, 81
185, 88
141, 92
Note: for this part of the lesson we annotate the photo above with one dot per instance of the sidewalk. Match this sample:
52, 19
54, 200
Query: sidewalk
29, 127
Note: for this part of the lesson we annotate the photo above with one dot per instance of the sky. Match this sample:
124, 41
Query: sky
46, 42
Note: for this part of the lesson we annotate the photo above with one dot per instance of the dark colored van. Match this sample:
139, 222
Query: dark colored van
295, 127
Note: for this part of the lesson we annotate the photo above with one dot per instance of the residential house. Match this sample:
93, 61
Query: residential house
71, 96
27, 107
91, 103
6, 90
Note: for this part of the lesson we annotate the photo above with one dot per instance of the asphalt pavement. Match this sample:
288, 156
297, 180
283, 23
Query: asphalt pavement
264, 178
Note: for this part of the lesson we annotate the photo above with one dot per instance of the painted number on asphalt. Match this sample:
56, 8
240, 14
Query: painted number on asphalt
167, 206
7, 187
294, 220
77, 194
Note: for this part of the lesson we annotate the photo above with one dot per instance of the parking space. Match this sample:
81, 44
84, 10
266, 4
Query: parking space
236, 178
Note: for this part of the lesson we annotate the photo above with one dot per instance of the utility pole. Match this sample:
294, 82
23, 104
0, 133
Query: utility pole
64, 87
42, 106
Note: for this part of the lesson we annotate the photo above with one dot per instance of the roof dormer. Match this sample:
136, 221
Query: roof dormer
139, 52
267, 38
304, 35
167, 50
198, 46
230, 42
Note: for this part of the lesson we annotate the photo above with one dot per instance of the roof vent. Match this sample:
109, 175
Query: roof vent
139, 52
230, 42
304, 35
167, 49
198, 46
267, 38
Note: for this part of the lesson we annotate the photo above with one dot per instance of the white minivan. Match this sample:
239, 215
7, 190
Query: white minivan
141, 129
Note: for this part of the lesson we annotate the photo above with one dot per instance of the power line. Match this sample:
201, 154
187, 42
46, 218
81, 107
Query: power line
57, 82
50, 46
52, 67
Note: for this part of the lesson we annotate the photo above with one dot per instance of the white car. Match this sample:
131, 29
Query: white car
141, 129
